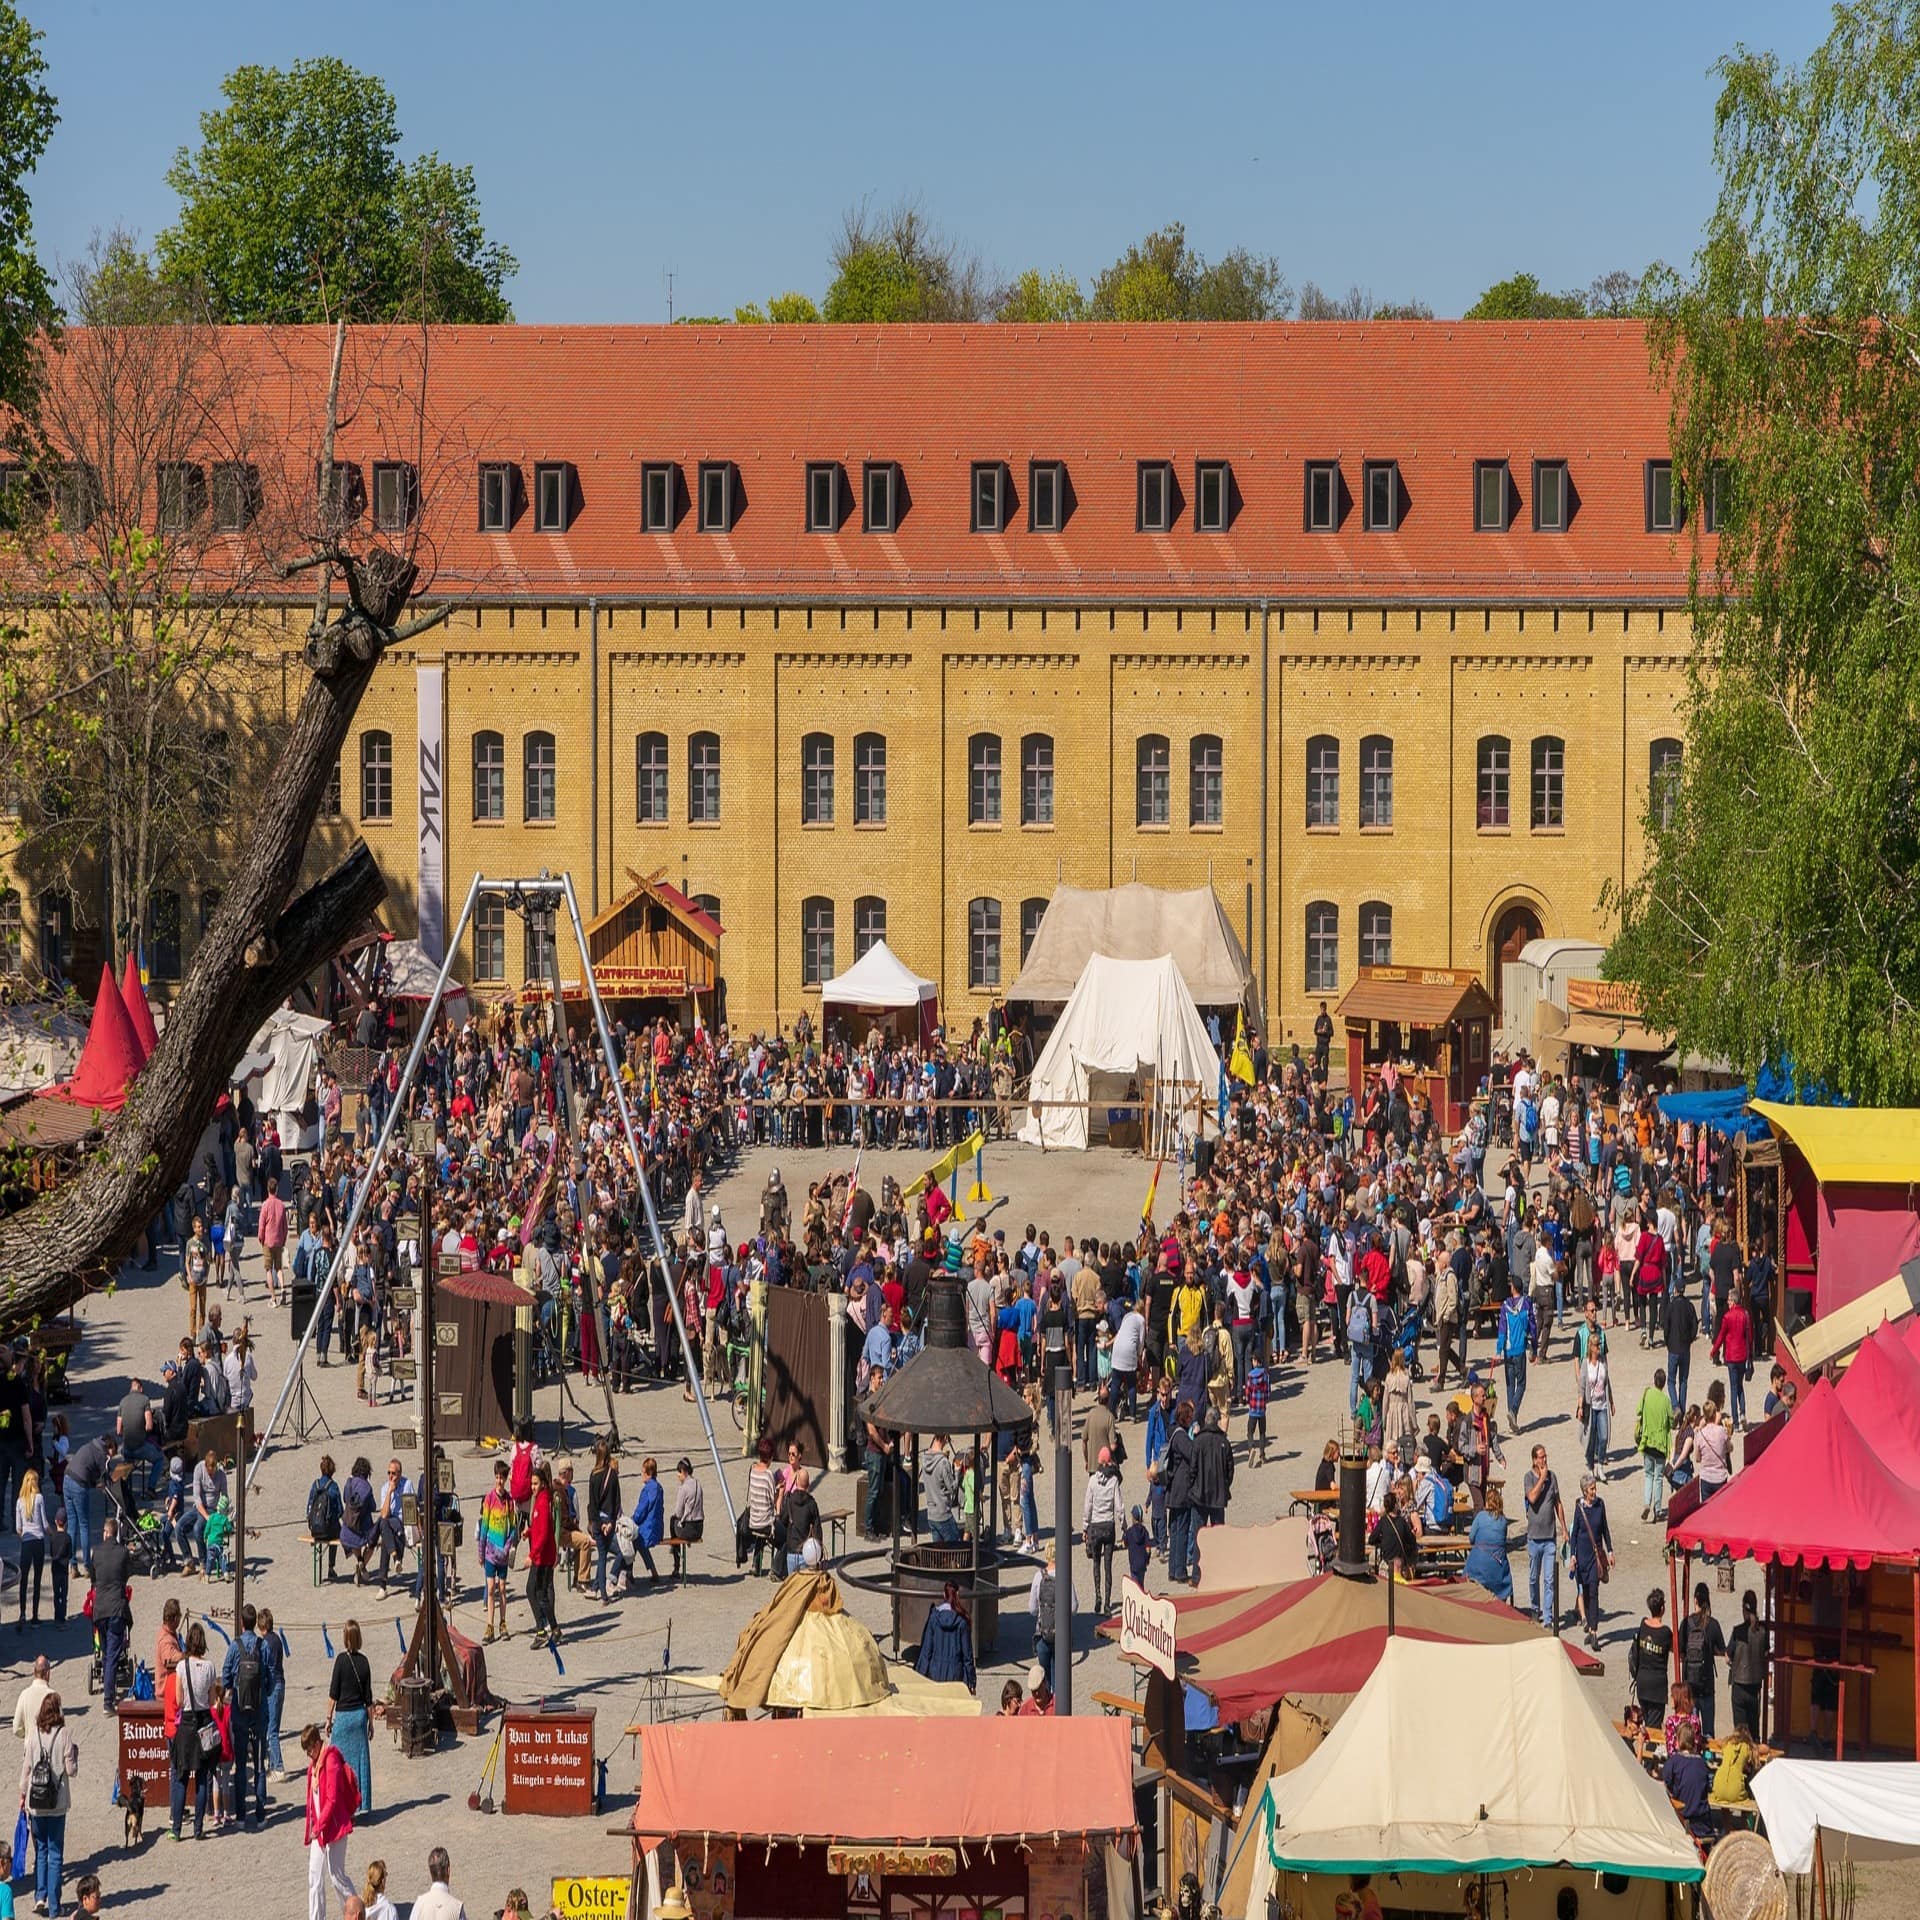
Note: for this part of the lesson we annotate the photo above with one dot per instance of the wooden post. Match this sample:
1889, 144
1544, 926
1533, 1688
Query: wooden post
1820, 1868
240, 1423
1916, 1661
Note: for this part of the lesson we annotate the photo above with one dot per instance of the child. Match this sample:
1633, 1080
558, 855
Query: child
370, 1367
173, 1512
219, 1532
1139, 1545
499, 1528
236, 1287
222, 1711
60, 1558
62, 1446
1256, 1409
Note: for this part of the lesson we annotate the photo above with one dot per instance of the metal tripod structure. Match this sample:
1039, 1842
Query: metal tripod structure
548, 888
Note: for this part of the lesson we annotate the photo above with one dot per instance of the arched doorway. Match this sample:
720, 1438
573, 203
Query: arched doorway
1515, 927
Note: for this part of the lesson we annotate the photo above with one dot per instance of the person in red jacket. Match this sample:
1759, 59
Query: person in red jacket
543, 1555
1733, 1344
333, 1795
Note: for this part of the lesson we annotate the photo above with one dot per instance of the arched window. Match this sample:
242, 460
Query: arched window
489, 777
1032, 912
1323, 781
869, 923
163, 935
983, 780
1492, 770
1549, 782
1036, 780
816, 780
703, 777
816, 940
1153, 783
376, 775
869, 781
537, 947
1376, 781
1663, 779
650, 779
1376, 934
489, 939
9, 931
1323, 947
708, 903
983, 943
1206, 781
541, 767
216, 758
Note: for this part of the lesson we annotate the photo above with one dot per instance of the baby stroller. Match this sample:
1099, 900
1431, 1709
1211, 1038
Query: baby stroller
142, 1534
1406, 1336
97, 1664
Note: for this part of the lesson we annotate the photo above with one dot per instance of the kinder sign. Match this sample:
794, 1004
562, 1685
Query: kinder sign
1147, 1627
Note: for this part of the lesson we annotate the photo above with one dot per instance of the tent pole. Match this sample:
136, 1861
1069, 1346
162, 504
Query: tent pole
1820, 1871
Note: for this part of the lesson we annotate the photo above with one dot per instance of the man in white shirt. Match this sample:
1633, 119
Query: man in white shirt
26, 1715
439, 1902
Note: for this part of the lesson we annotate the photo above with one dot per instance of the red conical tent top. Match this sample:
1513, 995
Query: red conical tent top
135, 996
110, 1058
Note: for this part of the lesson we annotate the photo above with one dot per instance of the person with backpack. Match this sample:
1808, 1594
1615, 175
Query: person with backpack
520, 1465
1513, 1343
325, 1510
244, 1676
50, 1761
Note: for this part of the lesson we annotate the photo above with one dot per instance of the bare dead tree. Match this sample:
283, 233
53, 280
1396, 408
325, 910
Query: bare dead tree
268, 933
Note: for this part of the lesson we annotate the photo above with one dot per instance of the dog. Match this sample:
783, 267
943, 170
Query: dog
134, 1801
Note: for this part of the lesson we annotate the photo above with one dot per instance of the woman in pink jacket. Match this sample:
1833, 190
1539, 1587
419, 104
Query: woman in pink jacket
1733, 1345
332, 1797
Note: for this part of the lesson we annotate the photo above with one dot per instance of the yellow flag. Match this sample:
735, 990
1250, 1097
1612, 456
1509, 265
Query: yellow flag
1153, 1187
1240, 1066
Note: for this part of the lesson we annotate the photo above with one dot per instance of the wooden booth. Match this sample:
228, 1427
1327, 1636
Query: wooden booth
656, 945
1604, 1027
1433, 1024
473, 1321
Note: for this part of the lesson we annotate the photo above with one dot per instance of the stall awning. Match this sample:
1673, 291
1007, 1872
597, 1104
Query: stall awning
886, 1782
1417, 996
1609, 1030
1875, 1146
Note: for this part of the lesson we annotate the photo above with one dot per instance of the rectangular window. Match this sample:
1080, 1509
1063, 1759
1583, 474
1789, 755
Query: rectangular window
1046, 496
1490, 496
1381, 481
552, 498
716, 496
869, 780
537, 947
496, 497
395, 496
1549, 496
342, 495
376, 776
1211, 486
816, 942
1719, 497
489, 940
1153, 795
657, 487
1036, 780
989, 490
1323, 781
1376, 781
236, 496
983, 944
1323, 947
163, 936
983, 780
1032, 912
1491, 800
703, 778
1323, 496
880, 475
816, 780
1549, 784
1155, 509
180, 490
823, 499
10, 932
1376, 934
1663, 498
651, 779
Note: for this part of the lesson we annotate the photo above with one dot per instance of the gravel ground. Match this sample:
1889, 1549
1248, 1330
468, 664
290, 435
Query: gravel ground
420, 1803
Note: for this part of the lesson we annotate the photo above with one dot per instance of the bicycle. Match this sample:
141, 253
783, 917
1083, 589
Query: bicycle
740, 1358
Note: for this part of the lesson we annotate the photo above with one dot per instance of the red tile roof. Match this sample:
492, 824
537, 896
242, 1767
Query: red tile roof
1434, 397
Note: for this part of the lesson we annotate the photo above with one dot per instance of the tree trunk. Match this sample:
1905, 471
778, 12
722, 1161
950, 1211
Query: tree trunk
261, 943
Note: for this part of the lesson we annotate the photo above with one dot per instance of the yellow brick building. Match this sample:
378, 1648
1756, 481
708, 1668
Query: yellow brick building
1379, 629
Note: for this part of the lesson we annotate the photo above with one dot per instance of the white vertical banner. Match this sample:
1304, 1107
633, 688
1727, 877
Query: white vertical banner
432, 890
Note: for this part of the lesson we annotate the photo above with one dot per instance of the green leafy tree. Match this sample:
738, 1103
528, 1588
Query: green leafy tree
1040, 298
1163, 278
1778, 915
783, 310
896, 266
28, 116
298, 207
1522, 297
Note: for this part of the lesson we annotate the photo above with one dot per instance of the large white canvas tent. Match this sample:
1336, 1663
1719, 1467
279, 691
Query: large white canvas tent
39, 1044
1869, 1808
281, 1059
1136, 923
1535, 1783
881, 982
1127, 1021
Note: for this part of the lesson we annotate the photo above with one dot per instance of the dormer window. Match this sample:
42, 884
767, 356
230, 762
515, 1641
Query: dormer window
823, 497
1212, 496
553, 496
497, 479
1046, 496
1323, 496
879, 488
1381, 491
396, 495
659, 482
716, 496
1492, 488
989, 497
1154, 510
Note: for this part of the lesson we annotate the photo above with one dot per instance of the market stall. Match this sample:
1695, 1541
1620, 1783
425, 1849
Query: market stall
891, 1819
880, 989
1535, 1793
1431, 1025
1604, 1034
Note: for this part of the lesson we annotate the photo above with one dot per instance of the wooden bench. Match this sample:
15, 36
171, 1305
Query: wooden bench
1313, 1500
1118, 1703
835, 1523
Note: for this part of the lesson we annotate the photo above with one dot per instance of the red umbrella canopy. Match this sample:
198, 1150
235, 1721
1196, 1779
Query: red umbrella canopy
111, 1057
135, 996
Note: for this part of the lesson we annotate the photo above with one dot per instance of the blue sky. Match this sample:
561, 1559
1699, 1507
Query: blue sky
1419, 150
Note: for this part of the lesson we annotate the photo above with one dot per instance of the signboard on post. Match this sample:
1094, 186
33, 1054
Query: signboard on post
604, 1897
548, 1761
1147, 1627
144, 1749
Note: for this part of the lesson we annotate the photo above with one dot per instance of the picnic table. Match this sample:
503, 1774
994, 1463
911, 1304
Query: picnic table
1312, 1500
